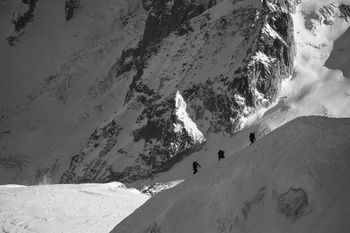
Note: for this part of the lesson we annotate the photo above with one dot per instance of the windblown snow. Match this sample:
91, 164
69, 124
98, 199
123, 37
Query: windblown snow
318, 83
295, 179
66, 208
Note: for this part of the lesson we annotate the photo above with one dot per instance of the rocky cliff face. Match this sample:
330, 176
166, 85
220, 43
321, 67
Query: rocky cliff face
193, 74
345, 11
24, 15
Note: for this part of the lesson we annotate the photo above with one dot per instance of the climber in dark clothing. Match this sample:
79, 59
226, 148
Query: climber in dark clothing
221, 155
195, 166
252, 138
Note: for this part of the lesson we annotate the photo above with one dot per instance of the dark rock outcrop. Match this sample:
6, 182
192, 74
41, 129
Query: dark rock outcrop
21, 20
155, 229
345, 11
101, 142
23, 15
294, 203
70, 7
166, 16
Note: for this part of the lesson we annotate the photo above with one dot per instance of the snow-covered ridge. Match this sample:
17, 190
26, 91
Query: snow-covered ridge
284, 182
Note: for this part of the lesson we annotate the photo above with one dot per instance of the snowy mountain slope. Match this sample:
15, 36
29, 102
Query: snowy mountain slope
51, 99
97, 98
59, 82
66, 208
292, 180
220, 87
213, 82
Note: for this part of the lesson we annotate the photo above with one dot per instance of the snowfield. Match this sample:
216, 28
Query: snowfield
295, 179
66, 208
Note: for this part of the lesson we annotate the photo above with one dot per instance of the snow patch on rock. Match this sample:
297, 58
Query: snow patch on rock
261, 58
260, 98
267, 29
240, 100
185, 121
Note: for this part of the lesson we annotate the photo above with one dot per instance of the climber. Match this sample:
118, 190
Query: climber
221, 154
195, 166
252, 138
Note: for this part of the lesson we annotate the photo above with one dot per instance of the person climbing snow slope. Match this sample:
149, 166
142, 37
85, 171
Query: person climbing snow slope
221, 155
252, 138
195, 166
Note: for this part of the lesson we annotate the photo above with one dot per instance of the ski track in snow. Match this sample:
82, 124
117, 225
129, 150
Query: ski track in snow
88, 208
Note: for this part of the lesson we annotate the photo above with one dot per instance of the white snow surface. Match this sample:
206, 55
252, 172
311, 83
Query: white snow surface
261, 58
242, 194
66, 208
187, 123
